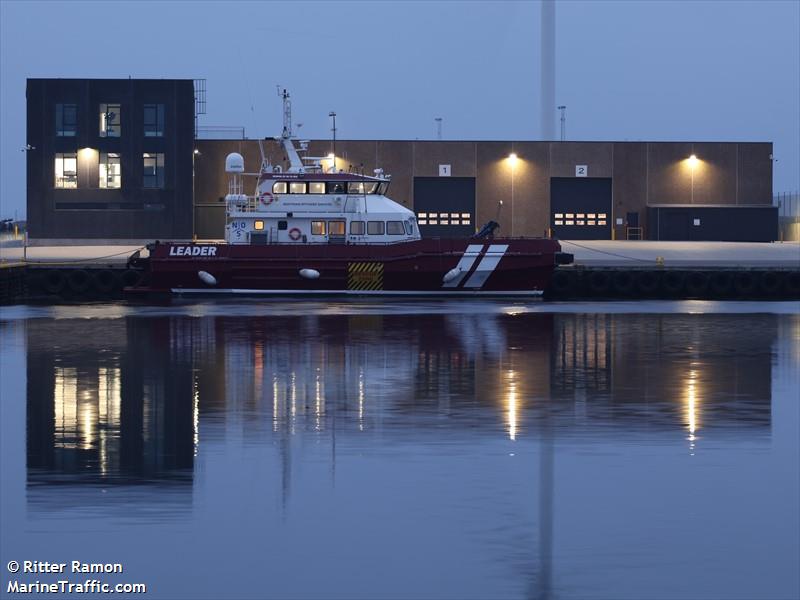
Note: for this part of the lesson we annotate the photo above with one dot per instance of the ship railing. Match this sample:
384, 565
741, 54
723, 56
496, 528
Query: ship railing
243, 204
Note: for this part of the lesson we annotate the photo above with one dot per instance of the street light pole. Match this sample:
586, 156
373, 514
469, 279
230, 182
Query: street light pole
563, 110
332, 115
438, 128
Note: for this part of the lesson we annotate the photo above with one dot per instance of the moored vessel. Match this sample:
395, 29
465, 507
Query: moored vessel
316, 229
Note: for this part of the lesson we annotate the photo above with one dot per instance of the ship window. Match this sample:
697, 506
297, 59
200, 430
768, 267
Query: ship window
110, 173
375, 227
66, 170
279, 187
258, 225
317, 227
110, 120
153, 120
283, 225
66, 120
382, 187
336, 227
370, 187
316, 187
336, 187
297, 187
409, 227
395, 228
153, 170
356, 227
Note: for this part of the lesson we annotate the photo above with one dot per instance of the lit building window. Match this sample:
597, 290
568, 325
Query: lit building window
590, 222
110, 120
258, 225
559, 215
466, 216
454, 215
601, 222
569, 223
433, 222
559, 223
580, 216
423, 221
444, 221
465, 221
570, 215
317, 227
357, 228
455, 222
66, 170
153, 170
601, 216
581, 222
66, 120
279, 187
375, 227
297, 187
316, 187
153, 120
433, 215
110, 170
591, 216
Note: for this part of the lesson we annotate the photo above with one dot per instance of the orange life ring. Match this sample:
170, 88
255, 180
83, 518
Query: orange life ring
266, 198
295, 233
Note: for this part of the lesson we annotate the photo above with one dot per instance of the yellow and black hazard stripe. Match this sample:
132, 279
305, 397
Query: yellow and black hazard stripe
365, 276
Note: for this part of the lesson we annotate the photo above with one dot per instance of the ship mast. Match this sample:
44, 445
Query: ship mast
295, 164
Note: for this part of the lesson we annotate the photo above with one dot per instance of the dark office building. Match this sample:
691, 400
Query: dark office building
109, 158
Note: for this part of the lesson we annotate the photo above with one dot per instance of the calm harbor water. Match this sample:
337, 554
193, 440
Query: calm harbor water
399, 450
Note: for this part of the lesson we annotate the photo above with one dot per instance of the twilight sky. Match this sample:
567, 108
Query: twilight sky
628, 70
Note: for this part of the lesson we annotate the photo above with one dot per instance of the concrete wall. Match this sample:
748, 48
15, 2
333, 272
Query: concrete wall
643, 173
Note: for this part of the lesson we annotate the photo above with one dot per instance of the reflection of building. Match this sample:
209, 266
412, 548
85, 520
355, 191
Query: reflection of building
109, 402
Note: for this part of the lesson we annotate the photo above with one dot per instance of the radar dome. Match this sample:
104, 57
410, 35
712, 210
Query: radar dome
234, 163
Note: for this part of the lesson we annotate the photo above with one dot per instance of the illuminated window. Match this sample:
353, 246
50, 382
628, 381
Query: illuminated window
581, 222
569, 223
601, 216
423, 221
357, 228
601, 222
258, 225
66, 120
466, 215
591, 216
558, 222
153, 120
423, 215
153, 170
297, 187
335, 227
375, 227
444, 222
570, 216
317, 227
66, 170
590, 222
433, 221
355, 187
433, 215
110, 170
559, 215
279, 187
395, 228
110, 120
453, 215
580, 216
455, 222
316, 187
336, 187
465, 221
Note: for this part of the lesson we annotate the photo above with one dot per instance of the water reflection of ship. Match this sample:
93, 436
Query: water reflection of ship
108, 404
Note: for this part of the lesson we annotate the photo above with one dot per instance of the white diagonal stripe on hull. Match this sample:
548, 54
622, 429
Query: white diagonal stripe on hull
465, 264
487, 265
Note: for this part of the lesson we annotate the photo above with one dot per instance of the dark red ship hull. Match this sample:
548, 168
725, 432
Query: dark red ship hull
434, 266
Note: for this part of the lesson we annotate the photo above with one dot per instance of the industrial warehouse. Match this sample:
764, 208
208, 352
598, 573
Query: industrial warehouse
122, 160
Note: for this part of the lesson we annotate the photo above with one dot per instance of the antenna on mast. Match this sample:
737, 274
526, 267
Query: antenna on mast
287, 113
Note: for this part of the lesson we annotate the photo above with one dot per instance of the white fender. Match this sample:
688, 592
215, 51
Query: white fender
309, 273
207, 278
451, 274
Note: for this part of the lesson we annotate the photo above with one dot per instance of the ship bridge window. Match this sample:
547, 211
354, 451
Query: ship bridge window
336, 227
375, 227
297, 187
362, 187
66, 170
279, 187
316, 187
317, 227
409, 227
336, 187
395, 228
382, 187
356, 227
